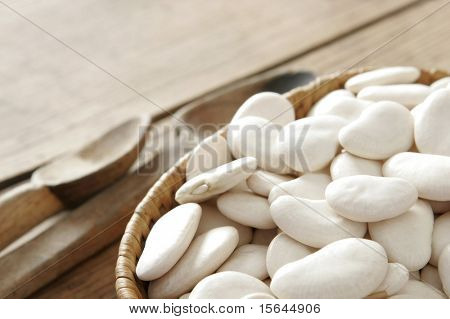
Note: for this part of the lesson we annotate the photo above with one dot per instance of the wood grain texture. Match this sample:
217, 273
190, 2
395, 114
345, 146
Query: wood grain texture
426, 45
57, 249
53, 100
34, 232
23, 207
93, 278
82, 233
71, 179
87, 229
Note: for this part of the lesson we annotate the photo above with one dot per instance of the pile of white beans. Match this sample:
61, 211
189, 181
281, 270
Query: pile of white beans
352, 201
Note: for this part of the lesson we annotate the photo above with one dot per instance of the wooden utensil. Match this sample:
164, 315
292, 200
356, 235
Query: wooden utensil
206, 115
70, 179
82, 232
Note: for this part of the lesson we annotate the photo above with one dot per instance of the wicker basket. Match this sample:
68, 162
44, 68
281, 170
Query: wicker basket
160, 198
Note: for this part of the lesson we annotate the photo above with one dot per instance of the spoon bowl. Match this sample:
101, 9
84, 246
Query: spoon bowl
205, 116
75, 176
70, 179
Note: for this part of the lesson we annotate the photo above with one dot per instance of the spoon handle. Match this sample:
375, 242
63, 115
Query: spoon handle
82, 232
24, 206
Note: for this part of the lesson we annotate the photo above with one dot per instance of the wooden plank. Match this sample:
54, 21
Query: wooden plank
53, 100
77, 236
426, 45
80, 233
93, 278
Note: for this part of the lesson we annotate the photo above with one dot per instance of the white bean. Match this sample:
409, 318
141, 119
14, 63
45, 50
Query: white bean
204, 256
269, 105
346, 164
431, 120
308, 207
310, 186
382, 130
258, 295
444, 269
248, 259
331, 98
283, 250
299, 140
228, 285
407, 238
168, 240
396, 277
430, 174
213, 218
365, 198
210, 153
383, 76
347, 108
247, 209
441, 83
215, 181
256, 137
441, 237
261, 182
313, 222
348, 268
415, 289
408, 95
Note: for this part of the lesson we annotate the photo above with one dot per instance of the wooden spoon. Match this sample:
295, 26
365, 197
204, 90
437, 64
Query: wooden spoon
68, 180
102, 219
85, 230
206, 115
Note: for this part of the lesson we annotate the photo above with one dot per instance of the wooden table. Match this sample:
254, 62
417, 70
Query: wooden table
70, 70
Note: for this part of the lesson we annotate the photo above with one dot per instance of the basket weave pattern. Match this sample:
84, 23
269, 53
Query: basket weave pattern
160, 198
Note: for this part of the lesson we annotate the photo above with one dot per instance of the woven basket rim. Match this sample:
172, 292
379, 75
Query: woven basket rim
160, 197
